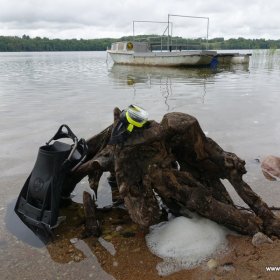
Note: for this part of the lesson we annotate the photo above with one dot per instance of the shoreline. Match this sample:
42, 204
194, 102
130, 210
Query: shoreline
130, 257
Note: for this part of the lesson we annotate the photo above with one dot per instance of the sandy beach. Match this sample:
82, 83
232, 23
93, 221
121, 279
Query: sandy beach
122, 252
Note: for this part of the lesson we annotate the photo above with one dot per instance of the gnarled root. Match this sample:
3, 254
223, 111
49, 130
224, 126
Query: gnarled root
92, 227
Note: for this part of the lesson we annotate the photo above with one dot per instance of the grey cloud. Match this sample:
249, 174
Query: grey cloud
92, 18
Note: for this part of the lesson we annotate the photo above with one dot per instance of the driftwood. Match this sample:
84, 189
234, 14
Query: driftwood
92, 227
146, 166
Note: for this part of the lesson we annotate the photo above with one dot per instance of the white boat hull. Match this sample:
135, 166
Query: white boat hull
183, 58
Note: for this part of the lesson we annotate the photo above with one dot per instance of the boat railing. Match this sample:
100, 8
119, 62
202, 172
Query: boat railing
160, 43
188, 44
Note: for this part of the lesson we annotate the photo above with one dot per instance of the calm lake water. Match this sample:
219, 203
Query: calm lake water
237, 106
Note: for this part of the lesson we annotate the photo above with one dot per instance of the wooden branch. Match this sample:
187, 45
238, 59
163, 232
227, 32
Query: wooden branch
92, 227
144, 165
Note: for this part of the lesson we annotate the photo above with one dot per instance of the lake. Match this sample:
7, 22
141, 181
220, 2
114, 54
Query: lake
237, 106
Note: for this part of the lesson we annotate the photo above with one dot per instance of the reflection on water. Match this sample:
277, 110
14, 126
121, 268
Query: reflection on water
237, 106
19, 229
147, 77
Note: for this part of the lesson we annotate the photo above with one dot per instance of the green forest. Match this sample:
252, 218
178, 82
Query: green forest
25, 43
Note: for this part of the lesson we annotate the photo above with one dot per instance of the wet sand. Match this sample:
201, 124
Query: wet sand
121, 253
243, 261
131, 258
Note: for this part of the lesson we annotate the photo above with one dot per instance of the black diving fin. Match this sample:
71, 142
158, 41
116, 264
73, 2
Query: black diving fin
39, 200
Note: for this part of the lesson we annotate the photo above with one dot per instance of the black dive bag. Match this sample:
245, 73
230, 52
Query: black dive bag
39, 200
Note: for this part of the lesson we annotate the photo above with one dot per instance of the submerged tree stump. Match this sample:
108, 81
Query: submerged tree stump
146, 166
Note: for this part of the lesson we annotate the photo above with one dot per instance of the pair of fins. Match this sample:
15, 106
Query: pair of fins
39, 200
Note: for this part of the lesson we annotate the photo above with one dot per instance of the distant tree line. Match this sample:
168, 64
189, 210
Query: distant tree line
25, 43
242, 43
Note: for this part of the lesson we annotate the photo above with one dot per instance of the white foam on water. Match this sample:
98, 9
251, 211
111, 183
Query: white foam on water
184, 243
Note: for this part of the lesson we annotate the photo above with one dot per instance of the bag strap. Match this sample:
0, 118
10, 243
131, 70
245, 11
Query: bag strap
64, 131
82, 147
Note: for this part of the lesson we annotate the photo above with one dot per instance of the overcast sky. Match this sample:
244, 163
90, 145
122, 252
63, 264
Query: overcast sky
113, 18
